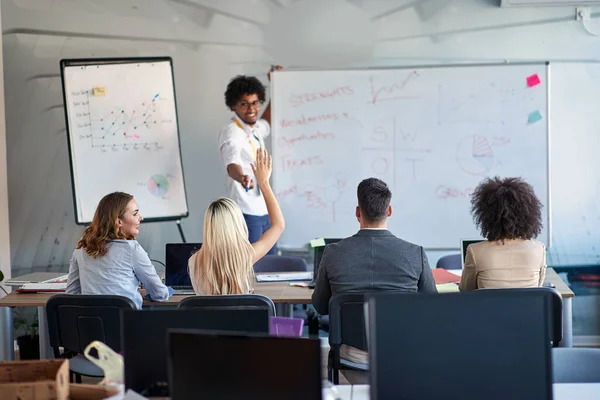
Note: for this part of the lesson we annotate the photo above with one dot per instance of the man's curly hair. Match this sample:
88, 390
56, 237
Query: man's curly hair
506, 209
241, 85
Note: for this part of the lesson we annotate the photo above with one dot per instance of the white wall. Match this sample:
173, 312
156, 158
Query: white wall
5, 265
211, 41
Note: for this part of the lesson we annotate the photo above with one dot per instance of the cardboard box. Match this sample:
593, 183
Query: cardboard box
34, 380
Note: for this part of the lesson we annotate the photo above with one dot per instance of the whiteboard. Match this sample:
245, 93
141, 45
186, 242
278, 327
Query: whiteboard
123, 135
575, 182
431, 133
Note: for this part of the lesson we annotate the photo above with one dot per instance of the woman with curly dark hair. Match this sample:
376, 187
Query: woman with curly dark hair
509, 216
109, 260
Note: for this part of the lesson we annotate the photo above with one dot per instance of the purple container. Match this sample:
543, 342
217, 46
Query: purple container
281, 326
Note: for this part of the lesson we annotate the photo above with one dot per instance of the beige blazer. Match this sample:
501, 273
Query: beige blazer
515, 263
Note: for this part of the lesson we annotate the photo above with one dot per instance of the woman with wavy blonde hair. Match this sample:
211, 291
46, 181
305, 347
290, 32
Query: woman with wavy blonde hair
109, 260
224, 264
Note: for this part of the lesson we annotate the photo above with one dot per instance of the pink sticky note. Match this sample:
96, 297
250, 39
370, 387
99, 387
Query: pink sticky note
533, 80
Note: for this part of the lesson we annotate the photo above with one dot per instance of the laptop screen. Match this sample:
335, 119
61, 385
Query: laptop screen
319, 254
176, 263
213, 365
464, 243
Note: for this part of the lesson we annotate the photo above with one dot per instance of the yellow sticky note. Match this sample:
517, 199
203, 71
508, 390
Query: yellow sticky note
320, 242
447, 288
98, 91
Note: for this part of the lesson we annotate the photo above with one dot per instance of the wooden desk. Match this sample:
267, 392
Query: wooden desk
282, 294
279, 292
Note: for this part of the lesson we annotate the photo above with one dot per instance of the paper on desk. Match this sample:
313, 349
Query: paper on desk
441, 275
130, 395
43, 287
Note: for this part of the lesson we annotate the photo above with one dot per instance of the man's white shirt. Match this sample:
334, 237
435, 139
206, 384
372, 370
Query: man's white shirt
238, 146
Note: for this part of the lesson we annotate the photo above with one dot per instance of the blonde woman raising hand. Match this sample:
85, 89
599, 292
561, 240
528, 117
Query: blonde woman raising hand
224, 264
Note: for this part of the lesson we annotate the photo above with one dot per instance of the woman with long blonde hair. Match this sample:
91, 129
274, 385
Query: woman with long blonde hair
224, 264
109, 260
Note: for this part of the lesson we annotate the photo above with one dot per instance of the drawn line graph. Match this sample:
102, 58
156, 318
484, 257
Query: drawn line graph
123, 127
391, 92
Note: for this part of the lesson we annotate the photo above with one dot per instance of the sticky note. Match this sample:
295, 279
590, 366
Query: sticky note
533, 80
447, 288
534, 117
320, 242
98, 91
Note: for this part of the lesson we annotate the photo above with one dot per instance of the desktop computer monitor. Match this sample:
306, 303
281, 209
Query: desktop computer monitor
213, 365
144, 339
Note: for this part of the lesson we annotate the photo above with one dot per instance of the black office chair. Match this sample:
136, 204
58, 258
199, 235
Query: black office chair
554, 308
575, 365
451, 261
346, 326
229, 301
74, 321
273, 263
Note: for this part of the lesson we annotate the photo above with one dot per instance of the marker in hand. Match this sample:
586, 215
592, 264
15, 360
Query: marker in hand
246, 183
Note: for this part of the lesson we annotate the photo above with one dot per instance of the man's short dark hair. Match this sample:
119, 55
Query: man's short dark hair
241, 85
374, 198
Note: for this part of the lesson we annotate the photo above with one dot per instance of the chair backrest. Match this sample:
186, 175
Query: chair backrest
554, 308
451, 261
570, 365
347, 320
273, 263
74, 320
229, 301
495, 343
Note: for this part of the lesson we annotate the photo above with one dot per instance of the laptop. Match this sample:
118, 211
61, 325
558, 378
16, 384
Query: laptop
144, 340
317, 260
176, 266
217, 365
476, 345
464, 243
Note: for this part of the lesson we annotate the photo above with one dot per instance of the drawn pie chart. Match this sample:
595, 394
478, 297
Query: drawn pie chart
158, 185
475, 155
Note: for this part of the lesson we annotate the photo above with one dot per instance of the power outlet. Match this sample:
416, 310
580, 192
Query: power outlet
582, 13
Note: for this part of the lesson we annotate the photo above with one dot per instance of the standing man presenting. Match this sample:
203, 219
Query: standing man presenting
238, 142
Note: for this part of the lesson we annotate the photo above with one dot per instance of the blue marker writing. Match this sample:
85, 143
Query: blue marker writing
156, 95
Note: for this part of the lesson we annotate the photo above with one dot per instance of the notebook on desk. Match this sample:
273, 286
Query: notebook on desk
43, 287
284, 277
176, 266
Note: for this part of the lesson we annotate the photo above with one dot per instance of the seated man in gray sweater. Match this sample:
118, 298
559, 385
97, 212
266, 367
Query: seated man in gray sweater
373, 259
